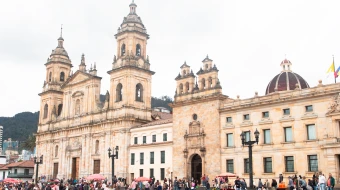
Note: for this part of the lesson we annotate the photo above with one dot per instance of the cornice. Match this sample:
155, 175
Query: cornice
51, 91
278, 98
58, 62
151, 144
200, 99
130, 67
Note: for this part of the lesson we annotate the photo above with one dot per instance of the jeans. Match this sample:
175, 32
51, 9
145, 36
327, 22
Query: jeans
322, 186
330, 188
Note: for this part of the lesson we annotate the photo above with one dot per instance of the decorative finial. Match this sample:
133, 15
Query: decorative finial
95, 67
207, 56
91, 67
61, 30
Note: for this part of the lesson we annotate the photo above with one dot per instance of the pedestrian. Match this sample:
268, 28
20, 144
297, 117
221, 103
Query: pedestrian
330, 182
274, 184
322, 182
260, 185
290, 183
237, 183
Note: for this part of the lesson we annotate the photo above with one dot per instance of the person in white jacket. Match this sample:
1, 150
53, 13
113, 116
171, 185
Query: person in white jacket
322, 182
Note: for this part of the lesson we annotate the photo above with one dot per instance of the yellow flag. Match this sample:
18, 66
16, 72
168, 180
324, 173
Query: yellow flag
331, 69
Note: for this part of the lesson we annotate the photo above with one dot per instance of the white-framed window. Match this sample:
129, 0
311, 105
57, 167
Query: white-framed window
311, 133
266, 136
230, 140
288, 132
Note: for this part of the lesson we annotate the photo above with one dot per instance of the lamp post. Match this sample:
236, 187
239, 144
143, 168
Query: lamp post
113, 156
37, 162
250, 146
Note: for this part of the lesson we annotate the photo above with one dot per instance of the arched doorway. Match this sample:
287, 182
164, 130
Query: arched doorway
196, 167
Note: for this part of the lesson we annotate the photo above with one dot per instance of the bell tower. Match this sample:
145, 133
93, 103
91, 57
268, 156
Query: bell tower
130, 87
58, 68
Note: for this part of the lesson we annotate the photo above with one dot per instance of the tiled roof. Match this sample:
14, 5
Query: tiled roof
23, 164
163, 119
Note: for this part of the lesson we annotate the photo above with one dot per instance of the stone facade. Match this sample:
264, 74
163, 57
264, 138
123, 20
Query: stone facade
298, 124
76, 128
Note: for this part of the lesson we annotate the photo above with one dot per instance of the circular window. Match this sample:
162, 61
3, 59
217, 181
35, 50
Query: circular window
194, 117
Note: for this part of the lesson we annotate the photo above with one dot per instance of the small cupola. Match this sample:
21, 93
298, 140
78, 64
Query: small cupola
133, 7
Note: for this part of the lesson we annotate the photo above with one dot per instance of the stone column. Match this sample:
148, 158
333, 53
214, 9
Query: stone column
203, 164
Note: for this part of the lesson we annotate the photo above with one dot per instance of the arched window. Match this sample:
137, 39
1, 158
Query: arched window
45, 111
77, 111
119, 92
123, 50
139, 92
60, 107
184, 72
203, 83
62, 76
56, 151
50, 77
181, 88
96, 147
138, 50
210, 82
187, 87
206, 66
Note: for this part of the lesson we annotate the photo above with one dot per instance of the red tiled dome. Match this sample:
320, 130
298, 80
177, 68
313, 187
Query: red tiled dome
286, 81
285, 61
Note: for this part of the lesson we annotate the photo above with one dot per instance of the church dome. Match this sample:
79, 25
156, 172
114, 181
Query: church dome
286, 80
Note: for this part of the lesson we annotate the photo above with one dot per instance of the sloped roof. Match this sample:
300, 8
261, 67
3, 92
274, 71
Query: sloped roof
158, 118
23, 164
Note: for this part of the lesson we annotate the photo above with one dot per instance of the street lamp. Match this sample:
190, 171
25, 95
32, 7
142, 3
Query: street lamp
37, 161
113, 156
250, 146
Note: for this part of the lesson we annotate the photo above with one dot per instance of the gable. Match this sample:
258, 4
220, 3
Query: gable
77, 78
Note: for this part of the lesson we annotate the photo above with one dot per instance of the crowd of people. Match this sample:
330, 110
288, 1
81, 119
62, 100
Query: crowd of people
317, 182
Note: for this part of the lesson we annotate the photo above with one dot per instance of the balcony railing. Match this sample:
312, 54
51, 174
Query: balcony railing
20, 175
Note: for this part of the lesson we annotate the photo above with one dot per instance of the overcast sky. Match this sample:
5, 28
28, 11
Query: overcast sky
246, 39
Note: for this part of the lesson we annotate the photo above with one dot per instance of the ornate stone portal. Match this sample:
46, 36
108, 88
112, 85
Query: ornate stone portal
194, 146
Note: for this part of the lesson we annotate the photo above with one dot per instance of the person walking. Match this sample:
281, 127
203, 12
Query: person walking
290, 183
237, 183
274, 184
322, 182
260, 185
330, 182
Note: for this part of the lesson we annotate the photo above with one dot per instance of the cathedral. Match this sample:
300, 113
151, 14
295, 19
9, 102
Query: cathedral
299, 125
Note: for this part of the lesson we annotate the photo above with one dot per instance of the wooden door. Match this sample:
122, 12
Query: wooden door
55, 170
96, 166
75, 168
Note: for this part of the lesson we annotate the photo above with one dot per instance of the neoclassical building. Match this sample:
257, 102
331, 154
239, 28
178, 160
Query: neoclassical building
298, 124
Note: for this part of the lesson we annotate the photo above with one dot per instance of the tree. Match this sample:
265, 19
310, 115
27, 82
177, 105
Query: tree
29, 144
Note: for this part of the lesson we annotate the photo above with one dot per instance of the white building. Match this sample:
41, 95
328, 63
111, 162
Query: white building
18, 170
151, 148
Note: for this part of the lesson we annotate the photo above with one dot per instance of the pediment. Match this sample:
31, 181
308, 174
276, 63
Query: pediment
77, 78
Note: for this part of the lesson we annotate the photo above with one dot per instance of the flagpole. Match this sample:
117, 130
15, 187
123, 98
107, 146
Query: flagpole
334, 71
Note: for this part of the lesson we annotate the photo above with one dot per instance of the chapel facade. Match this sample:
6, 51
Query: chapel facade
299, 125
